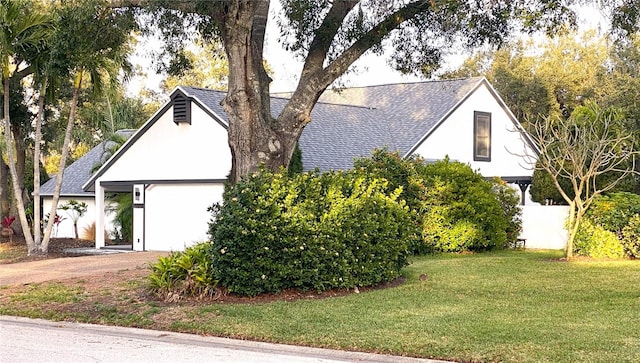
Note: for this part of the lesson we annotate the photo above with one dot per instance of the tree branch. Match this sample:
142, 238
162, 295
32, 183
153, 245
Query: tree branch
315, 79
319, 47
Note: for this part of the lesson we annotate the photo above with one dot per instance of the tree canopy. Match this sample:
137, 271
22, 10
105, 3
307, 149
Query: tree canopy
329, 36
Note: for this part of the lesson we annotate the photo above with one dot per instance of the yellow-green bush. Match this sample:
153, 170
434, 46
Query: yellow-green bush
457, 208
631, 237
611, 216
594, 241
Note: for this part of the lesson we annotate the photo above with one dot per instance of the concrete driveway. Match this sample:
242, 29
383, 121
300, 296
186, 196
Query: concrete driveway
69, 267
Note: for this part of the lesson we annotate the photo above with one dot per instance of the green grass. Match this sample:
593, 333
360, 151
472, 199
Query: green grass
48, 293
505, 306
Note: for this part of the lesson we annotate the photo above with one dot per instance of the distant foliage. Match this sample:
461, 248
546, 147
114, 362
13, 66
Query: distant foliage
122, 205
544, 191
309, 231
456, 208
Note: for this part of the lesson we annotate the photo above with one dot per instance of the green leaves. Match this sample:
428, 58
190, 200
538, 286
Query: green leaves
611, 227
456, 208
309, 231
185, 273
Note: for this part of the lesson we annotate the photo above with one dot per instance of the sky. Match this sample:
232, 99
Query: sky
369, 70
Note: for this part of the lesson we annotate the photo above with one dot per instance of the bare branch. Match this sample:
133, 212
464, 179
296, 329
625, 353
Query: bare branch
586, 151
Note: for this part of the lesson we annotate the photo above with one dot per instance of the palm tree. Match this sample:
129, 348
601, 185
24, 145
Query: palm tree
22, 31
91, 46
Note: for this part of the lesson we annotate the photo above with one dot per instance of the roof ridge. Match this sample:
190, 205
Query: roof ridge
200, 88
408, 83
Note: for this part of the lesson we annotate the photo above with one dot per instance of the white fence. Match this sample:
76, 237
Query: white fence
543, 226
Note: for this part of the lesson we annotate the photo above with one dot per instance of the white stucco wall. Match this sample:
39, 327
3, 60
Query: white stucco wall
454, 137
167, 151
543, 226
65, 229
175, 215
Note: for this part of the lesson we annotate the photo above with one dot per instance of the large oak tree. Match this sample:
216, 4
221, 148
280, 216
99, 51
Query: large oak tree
330, 36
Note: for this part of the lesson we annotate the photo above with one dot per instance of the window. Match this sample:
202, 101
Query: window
481, 136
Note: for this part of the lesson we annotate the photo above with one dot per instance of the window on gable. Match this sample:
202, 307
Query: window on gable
181, 109
481, 136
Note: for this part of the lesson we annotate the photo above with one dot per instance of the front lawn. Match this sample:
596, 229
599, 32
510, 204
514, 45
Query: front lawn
504, 306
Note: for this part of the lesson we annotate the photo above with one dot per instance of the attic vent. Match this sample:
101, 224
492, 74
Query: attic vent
181, 110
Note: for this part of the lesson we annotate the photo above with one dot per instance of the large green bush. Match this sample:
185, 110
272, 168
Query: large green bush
509, 200
614, 211
309, 231
457, 209
461, 211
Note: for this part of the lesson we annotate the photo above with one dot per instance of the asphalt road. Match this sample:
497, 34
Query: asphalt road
34, 340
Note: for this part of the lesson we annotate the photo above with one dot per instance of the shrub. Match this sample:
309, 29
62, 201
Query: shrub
400, 173
308, 231
614, 211
631, 237
183, 273
594, 241
460, 199
457, 209
509, 202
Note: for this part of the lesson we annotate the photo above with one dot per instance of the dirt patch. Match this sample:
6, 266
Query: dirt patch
16, 250
126, 291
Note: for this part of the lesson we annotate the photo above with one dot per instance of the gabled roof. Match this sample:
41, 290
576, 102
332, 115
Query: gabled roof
397, 116
76, 174
209, 100
348, 123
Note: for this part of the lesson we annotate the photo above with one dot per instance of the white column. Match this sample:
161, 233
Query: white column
99, 199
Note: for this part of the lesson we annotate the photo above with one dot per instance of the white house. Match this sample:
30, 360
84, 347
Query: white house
75, 175
463, 119
176, 164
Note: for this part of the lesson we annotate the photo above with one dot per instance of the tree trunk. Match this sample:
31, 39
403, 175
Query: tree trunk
44, 246
572, 227
24, 223
37, 228
21, 156
254, 137
5, 189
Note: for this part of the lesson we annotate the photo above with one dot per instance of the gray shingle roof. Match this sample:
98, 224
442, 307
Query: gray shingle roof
76, 174
345, 125
208, 98
396, 116
352, 122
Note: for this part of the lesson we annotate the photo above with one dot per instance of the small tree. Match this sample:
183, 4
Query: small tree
75, 210
588, 149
